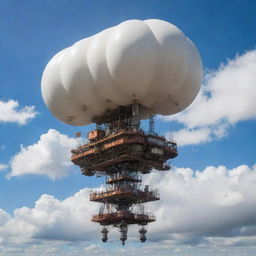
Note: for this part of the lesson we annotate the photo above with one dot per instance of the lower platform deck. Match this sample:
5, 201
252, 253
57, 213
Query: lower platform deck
123, 217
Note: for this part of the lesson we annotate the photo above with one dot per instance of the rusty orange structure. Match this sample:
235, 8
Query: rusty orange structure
122, 151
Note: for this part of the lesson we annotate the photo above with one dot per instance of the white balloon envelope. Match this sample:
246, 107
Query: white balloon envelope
151, 62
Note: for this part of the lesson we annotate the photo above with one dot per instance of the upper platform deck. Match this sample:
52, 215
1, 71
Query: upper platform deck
105, 151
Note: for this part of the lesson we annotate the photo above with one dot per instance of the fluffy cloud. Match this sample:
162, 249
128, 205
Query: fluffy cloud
3, 167
196, 206
10, 112
212, 208
50, 219
227, 97
49, 156
191, 136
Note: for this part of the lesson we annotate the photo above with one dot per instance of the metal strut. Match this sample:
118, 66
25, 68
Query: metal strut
151, 124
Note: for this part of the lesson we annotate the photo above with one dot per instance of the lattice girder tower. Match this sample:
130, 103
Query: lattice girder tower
122, 151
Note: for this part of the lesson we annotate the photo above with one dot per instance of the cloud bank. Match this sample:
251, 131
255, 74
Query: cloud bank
215, 207
197, 207
227, 97
10, 112
50, 219
49, 156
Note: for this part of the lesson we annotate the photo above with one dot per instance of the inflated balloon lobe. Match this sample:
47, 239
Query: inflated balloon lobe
151, 62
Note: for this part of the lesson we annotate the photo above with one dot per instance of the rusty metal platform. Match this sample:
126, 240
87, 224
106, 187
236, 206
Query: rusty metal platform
121, 216
119, 195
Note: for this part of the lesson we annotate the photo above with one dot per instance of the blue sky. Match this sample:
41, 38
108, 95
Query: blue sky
217, 130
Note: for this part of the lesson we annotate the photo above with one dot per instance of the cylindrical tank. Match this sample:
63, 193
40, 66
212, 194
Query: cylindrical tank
123, 233
104, 235
151, 62
143, 232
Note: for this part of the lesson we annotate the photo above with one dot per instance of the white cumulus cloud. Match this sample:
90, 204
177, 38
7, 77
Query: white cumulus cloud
3, 166
191, 136
50, 219
10, 112
197, 205
227, 97
49, 156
